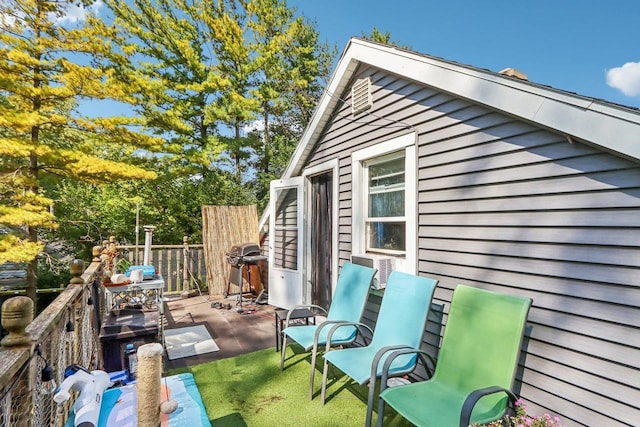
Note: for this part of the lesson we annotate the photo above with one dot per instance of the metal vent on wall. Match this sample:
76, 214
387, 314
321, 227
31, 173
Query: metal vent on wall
361, 99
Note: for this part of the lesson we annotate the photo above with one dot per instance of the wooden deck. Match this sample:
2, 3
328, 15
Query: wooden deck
234, 333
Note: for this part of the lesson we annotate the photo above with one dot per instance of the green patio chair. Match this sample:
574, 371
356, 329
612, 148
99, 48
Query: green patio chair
347, 305
400, 324
476, 364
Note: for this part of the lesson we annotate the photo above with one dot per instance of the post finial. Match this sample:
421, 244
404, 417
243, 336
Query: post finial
76, 268
17, 314
95, 251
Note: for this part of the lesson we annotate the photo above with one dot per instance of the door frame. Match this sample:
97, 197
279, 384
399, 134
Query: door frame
308, 173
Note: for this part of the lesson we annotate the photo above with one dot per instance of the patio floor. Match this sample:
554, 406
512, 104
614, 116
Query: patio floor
233, 332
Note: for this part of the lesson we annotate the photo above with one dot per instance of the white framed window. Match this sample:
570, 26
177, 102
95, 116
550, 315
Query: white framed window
384, 207
384, 217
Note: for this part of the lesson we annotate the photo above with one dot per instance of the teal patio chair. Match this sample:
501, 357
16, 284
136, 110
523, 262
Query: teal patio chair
347, 305
400, 324
476, 364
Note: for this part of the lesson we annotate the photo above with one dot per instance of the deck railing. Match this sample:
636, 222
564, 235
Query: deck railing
181, 266
65, 333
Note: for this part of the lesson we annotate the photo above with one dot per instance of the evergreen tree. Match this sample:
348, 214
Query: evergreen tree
48, 62
384, 38
206, 71
291, 65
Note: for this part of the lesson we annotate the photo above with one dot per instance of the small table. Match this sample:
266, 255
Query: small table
148, 293
298, 313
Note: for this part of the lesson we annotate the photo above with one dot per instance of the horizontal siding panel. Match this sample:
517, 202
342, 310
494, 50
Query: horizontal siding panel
593, 254
590, 327
610, 180
481, 145
496, 127
537, 386
601, 385
477, 159
615, 353
606, 236
589, 200
553, 293
577, 271
611, 372
450, 114
585, 218
577, 165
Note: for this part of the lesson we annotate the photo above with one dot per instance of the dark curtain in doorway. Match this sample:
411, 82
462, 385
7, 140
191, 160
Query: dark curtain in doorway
321, 239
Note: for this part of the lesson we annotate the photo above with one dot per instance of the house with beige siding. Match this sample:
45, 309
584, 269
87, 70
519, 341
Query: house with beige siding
475, 177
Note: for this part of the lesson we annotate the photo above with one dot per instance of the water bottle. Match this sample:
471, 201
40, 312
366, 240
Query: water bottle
130, 362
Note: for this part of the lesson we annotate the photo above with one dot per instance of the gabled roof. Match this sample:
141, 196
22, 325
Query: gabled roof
603, 124
607, 125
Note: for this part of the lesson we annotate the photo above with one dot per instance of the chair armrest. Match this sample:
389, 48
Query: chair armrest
473, 397
397, 351
358, 325
326, 323
286, 323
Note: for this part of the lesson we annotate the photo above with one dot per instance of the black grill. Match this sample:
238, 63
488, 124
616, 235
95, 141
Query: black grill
246, 253
240, 256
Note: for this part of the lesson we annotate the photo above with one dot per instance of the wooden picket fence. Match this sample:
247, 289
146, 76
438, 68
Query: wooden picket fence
181, 266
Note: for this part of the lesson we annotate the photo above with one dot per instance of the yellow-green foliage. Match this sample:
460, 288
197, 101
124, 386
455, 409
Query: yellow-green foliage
47, 65
14, 249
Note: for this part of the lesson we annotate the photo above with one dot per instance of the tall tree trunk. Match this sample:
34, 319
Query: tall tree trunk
265, 141
237, 159
32, 268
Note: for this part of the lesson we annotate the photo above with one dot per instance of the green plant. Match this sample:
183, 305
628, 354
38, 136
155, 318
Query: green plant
522, 419
122, 265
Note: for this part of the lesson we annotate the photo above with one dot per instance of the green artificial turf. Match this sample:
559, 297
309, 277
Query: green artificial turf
250, 390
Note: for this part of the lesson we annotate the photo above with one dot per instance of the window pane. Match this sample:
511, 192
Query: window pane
387, 175
386, 188
386, 204
287, 207
285, 235
386, 235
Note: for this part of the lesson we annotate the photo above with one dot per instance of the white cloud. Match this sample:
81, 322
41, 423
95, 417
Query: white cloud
7, 20
77, 13
255, 126
626, 78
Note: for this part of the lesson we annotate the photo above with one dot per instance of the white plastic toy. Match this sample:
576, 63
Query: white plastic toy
91, 386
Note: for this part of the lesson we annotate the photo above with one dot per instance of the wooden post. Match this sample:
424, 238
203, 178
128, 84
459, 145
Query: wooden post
17, 314
186, 282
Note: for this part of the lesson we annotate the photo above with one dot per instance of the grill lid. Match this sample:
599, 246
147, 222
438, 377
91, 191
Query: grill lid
245, 249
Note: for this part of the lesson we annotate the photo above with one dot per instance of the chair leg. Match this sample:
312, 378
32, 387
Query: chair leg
380, 412
283, 349
370, 400
324, 380
314, 352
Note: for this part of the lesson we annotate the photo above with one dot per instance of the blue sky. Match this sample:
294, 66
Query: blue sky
574, 45
590, 47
